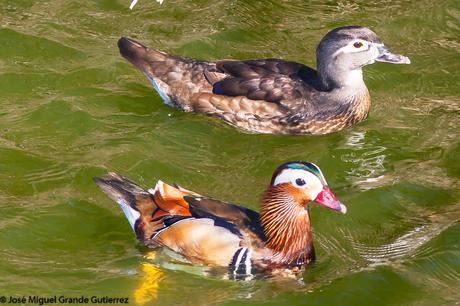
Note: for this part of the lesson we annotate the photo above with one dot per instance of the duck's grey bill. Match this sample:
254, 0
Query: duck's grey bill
388, 57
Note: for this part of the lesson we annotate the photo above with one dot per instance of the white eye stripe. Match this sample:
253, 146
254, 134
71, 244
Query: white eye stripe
350, 48
291, 175
312, 182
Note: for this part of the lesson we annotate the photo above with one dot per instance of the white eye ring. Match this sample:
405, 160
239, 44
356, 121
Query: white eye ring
357, 45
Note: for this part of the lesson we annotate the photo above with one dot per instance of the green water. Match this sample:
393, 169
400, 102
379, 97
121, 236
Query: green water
72, 108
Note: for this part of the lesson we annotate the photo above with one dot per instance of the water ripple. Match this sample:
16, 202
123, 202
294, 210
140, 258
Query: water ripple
410, 245
368, 160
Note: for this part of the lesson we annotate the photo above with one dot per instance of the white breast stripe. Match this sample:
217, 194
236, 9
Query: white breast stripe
238, 259
248, 262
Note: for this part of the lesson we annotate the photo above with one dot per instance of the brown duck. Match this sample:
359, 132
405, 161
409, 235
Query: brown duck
272, 95
214, 233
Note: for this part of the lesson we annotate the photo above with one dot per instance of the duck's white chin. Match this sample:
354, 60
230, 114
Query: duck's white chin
354, 78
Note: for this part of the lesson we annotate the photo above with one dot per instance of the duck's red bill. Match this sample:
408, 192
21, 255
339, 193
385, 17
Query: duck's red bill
327, 199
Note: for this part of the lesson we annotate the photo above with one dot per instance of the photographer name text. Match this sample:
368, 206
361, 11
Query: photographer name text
62, 299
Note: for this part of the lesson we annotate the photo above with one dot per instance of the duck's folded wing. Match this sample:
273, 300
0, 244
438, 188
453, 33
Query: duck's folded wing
259, 67
245, 220
270, 80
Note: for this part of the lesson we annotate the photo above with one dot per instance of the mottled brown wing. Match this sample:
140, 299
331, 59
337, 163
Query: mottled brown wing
270, 80
259, 67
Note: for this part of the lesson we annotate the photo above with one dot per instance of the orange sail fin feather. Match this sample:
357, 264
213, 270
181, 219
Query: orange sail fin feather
169, 201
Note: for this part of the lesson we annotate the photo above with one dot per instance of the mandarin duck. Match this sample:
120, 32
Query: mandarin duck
271, 95
214, 233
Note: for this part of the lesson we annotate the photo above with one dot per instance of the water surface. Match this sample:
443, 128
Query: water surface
72, 108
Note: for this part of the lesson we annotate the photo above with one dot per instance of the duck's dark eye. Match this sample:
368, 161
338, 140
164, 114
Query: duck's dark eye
300, 182
358, 44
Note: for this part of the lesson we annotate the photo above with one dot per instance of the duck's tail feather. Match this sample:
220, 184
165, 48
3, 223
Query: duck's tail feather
152, 63
145, 209
139, 55
176, 79
135, 201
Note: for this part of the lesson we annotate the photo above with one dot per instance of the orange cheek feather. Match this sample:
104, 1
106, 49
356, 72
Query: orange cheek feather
301, 196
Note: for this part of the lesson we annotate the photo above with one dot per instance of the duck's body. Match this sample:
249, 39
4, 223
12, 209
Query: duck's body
211, 232
271, 95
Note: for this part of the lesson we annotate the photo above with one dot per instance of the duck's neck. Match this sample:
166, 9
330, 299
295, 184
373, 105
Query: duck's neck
345, 87
332, 76
286, 224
